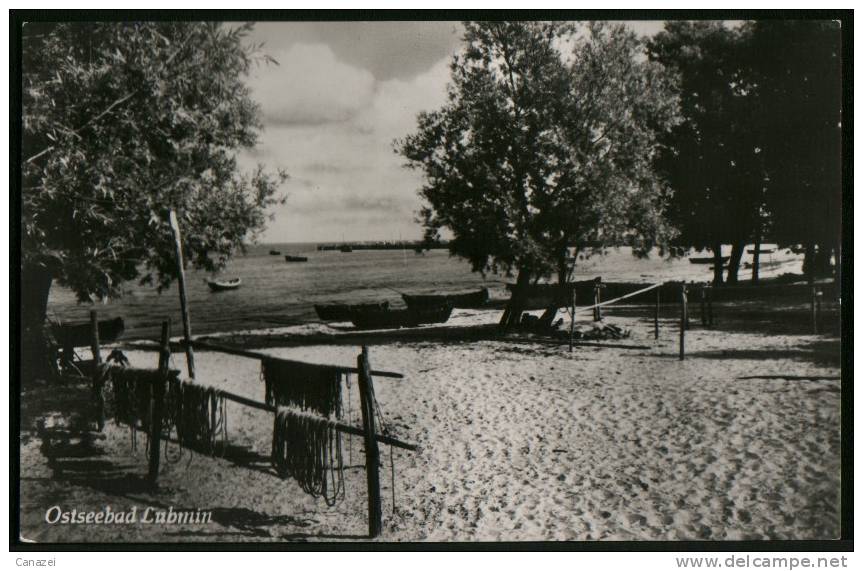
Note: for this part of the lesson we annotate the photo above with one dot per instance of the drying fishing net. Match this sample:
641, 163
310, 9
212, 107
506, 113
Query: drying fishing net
309, 449
308, 387
198, 414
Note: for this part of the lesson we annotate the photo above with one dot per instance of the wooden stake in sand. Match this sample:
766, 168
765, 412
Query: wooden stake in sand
159, 403
682, 321
98, 378
597, 311
703, 305
710, 306
181, 278
367, 403
656, 316
572, 320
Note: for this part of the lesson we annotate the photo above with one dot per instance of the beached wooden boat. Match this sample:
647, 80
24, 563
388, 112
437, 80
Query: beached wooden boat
395, 318
224, 285
81, 334
345, 248
708, 260
275, 253
290, 258
464, 300
343, 311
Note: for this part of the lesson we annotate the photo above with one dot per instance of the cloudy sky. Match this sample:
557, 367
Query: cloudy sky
341, 93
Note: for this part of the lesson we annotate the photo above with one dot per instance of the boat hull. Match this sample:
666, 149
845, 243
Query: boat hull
296, 259
463, 300
224, 286
343, 311
708, 260
396, 318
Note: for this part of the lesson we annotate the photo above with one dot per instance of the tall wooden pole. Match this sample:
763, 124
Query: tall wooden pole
373, 478
656, 316
572, 320
703, 305
710, 305
682, 321
184, 307
98, 378
158, 402
597, 311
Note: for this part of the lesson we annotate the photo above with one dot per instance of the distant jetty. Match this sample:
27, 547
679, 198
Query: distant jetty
385, 245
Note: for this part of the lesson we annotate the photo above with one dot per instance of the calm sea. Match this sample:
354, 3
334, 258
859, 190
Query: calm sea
277, 293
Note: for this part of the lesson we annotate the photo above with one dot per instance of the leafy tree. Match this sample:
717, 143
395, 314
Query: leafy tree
122, 121
797, 68
712, 158
546, 142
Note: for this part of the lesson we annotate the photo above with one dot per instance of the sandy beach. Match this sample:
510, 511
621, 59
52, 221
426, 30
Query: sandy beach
520, 440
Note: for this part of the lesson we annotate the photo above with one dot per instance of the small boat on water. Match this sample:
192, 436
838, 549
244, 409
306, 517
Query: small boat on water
290, 258
463, 300
345, 248
343, 311
275, 253
708, 260
395, 318
224, 285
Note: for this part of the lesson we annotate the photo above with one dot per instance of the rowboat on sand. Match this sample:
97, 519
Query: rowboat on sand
708, 260
463, 300
290, 258
343, 311
396, 318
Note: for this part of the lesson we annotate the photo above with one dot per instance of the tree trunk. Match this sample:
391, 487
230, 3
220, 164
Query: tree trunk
35, 286
512, 315
717, 264
734, 263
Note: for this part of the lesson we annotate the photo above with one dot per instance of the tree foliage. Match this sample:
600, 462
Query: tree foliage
758, 154
712, 159
546, 141
122, 121
797, 67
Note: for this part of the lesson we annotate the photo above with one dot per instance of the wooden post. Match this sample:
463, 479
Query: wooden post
181, 278
597, 311
686, 308
572, 320
656, 316
97, 377
703, 305
158, 393
682, 321
364, 381
710, 306
816, 309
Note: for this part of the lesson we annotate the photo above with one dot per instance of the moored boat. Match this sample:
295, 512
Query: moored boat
463, 300
224, 285
343, 311
290, 258
708, 260
345, 248
275, 253
395, 318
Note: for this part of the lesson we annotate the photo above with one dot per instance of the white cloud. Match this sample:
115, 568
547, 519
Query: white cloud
333, 132
310, 86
